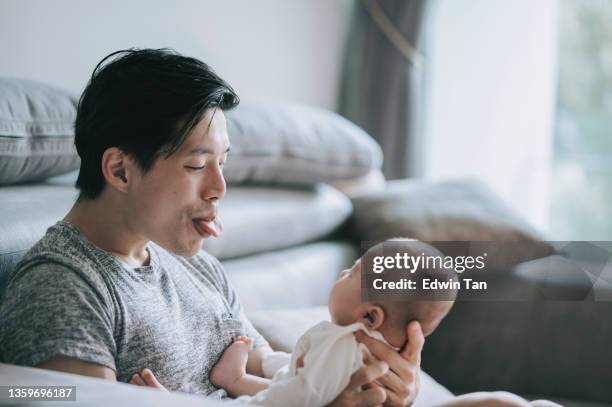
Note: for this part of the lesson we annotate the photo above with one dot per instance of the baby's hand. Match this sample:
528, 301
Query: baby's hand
146, 378
232, 365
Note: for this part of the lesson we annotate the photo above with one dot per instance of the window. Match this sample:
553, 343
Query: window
581, 205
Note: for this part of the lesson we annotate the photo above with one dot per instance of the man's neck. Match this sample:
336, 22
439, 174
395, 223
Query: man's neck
103, 223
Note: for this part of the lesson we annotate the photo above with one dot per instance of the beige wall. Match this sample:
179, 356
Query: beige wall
490, 97
275, 49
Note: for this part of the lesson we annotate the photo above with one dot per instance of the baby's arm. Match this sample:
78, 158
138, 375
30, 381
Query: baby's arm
230, 372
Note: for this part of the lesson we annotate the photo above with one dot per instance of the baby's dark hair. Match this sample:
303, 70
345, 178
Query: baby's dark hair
424, 306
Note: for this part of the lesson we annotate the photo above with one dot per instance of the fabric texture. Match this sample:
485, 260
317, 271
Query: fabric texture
283, 328
331, 354
442, 213
36, 131
273, 362
550, 336
259, 218
93, 392
175, 316
296, 145
296, 277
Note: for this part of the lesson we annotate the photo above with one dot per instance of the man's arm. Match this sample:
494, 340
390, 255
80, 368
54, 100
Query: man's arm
76, 366
50, 310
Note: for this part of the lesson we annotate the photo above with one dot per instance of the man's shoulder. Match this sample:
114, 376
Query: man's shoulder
60, 243
61, 250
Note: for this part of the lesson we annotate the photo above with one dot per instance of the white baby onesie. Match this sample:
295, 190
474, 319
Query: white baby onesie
331, 354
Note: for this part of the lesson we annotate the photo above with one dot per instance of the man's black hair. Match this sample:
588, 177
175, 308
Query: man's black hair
145, 102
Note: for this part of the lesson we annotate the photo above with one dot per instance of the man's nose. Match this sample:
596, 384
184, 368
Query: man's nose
214, 186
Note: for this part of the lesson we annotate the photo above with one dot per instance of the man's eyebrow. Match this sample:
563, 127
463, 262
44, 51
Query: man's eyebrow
202, 150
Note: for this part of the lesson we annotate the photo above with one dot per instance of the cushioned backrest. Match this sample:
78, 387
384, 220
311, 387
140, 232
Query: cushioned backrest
257, 219
36, 131
27, 212
293, 144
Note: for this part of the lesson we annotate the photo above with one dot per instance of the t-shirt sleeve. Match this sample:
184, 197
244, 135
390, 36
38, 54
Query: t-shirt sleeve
50, 310
226, 288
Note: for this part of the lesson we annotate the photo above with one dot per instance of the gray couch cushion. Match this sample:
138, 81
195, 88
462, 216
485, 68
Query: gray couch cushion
95, 392
290, 278
272, 143
256, 218
547, 349
36, 131
262, 218
445, 212
27, 212
292, 144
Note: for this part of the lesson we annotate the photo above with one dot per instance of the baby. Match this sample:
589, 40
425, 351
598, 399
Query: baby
326, 356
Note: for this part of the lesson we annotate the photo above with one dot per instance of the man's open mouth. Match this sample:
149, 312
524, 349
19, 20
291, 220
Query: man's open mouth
206, 227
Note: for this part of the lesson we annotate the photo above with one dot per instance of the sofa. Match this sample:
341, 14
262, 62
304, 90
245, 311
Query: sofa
304, 192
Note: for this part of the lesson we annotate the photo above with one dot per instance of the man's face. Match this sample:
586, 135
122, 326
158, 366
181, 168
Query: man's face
345, 306
175, 203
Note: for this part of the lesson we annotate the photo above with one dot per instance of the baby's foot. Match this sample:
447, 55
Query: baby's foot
146, 378
232, 365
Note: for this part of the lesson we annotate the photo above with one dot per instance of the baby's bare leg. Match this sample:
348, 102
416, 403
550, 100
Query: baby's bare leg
230, 371
232, 364
146, 378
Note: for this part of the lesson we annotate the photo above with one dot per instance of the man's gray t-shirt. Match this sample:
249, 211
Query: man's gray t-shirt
175, 316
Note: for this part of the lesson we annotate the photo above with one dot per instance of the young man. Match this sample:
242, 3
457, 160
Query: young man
121, 282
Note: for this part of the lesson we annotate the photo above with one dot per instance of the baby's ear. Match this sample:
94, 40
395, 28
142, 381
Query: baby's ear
373, 317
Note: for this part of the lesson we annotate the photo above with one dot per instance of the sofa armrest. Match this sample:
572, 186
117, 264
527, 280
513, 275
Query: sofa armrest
94, 392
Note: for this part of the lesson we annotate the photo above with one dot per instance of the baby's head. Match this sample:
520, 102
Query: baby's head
390, 318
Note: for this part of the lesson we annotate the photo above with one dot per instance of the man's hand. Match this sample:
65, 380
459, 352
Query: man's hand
361, 392
401, 382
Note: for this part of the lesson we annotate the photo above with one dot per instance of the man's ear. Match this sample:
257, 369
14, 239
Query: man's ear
373, 317
117, 168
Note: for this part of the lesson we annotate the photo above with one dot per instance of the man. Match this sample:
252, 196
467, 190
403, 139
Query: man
121, 282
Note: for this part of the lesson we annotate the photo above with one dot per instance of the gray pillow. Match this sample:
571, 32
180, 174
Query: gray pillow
445, 213
292, 144
258, 218
36, 131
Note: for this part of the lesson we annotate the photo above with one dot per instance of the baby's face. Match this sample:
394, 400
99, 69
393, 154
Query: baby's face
345, 298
